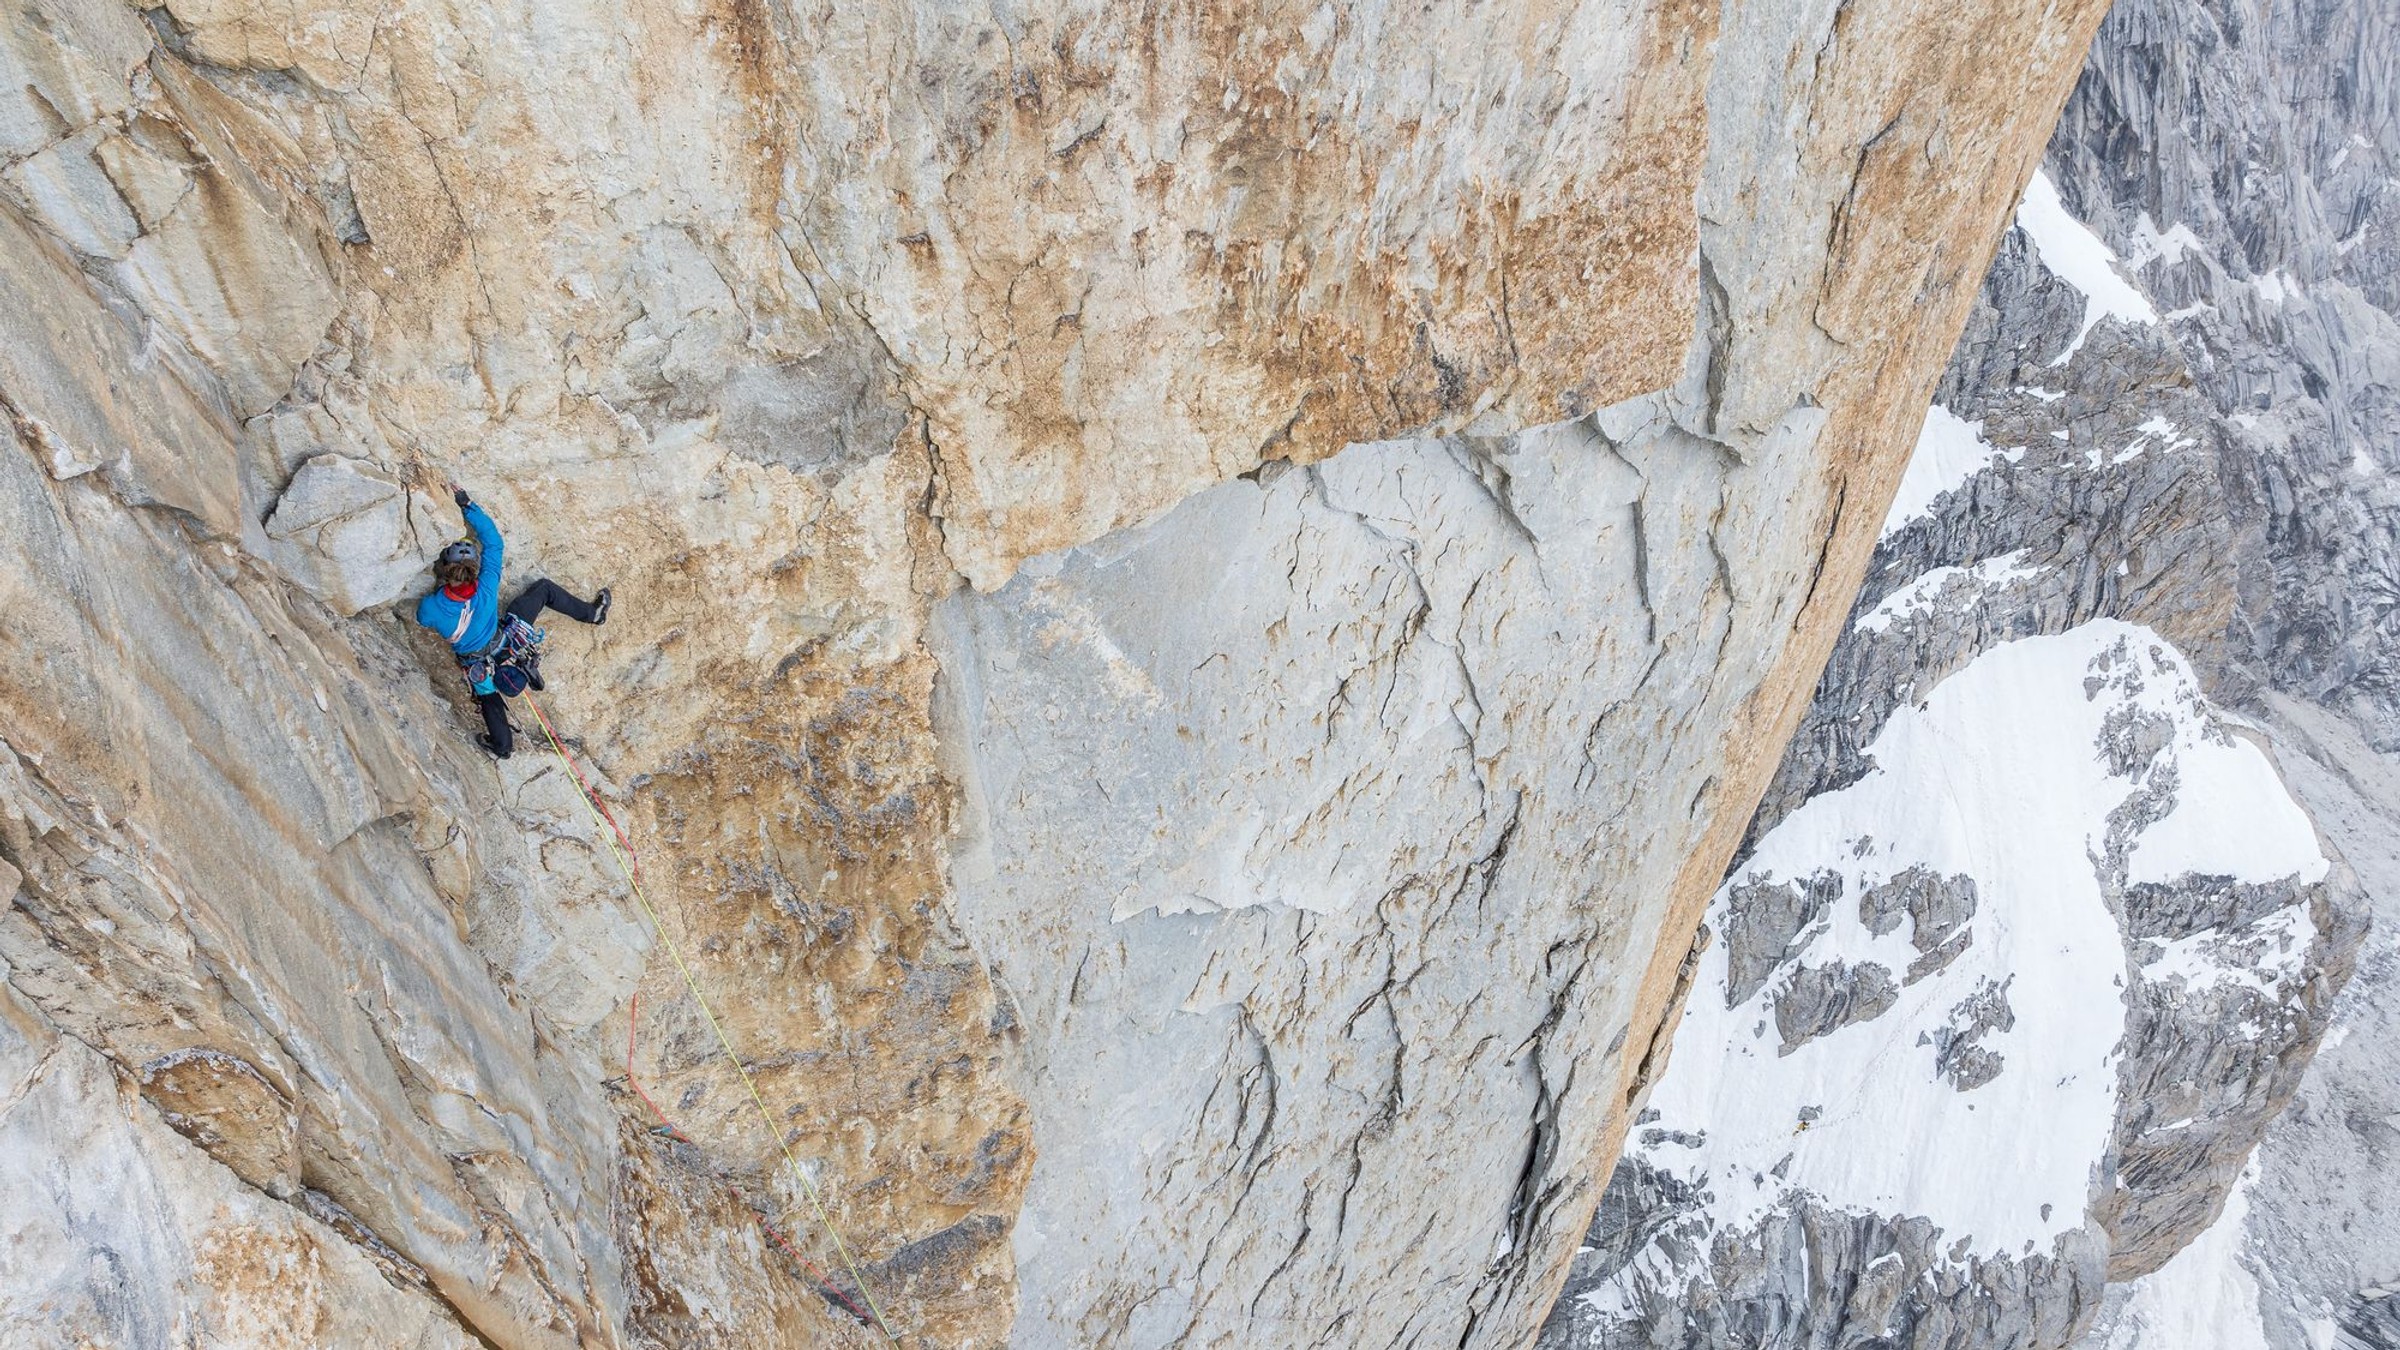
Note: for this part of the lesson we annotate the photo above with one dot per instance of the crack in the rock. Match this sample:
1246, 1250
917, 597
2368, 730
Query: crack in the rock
1308, 1200
1833, 531
1488, 473
1641, 568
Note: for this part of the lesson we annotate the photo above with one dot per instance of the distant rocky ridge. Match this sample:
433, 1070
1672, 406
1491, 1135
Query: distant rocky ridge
2182, 418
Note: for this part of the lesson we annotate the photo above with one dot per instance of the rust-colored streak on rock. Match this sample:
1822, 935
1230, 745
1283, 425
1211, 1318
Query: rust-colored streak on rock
803, 840
1213, 256
685, 1230
222, 1103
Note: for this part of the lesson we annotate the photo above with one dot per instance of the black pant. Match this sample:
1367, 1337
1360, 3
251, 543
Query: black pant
541, 595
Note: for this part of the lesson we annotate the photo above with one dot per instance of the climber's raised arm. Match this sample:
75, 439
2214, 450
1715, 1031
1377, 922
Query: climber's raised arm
487, 534
465, 605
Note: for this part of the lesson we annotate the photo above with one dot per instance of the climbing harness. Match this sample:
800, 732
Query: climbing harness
512, 663
627, 863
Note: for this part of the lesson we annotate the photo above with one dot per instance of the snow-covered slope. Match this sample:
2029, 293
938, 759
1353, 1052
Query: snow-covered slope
2245, 160
1910, 1023
1948, 453
1957, 911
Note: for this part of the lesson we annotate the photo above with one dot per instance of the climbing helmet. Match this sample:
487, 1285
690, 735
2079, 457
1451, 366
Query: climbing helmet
462, 551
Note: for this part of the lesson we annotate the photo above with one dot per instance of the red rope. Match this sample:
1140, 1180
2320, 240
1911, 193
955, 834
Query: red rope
823, 1281
588, 794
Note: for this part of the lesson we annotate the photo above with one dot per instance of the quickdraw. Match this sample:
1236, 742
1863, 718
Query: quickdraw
511, 664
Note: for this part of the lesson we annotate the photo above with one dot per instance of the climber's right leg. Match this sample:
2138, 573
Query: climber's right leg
498, 737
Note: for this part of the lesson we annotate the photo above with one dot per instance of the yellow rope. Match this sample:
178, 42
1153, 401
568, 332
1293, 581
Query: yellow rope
609, 835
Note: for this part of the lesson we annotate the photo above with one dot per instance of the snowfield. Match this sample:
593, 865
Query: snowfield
1946, 590
2011, 773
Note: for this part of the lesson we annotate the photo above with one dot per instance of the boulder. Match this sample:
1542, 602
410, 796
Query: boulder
351, 535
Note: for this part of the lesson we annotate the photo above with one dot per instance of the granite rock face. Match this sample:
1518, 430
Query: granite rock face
351, 536
1407, 723
2172, 409
899, 367
220, 1261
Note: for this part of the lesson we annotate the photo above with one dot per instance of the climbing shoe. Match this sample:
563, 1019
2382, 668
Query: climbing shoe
484, 739
599, 610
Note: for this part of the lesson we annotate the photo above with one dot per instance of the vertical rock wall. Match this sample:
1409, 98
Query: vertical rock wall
788, 323
1339, 809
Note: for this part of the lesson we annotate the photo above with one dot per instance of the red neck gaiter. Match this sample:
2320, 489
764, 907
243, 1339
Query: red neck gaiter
460, 593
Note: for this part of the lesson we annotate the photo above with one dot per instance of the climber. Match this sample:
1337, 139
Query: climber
499, 650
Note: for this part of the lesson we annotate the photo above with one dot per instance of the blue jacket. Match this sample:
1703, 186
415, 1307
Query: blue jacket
470, 625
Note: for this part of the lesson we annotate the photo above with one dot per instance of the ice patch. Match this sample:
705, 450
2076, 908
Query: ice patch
2076, 256
1955, 588
1609, 1300
2157, 429
1950, 450
2276, 287
2152, 245
2205, 1297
